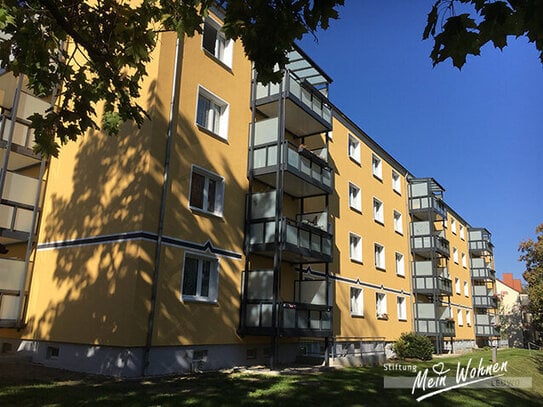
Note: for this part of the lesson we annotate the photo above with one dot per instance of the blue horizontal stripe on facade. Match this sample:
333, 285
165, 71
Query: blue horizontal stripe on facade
138, 235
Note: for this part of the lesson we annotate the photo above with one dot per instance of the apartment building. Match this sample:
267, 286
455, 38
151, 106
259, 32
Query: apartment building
243, 224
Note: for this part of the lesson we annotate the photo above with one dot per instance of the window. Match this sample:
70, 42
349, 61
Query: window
459, 317
215, 42
377, 167
462, 233
355, 200
379, 256
355, 247
212, 113
468, 317
206, 191
200, 278
453, 225
400, 266
354, 149
457, 285
455, 255
402, 308
381, 305
396, 184
398, 222
357, 302
466, 289
464, 261
378, 211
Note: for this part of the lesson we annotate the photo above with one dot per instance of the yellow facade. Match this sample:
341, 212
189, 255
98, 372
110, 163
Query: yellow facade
120, 252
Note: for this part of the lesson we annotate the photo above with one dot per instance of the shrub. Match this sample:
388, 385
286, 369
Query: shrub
412, 345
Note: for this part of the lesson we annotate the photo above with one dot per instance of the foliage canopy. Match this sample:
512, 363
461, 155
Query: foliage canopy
532, 256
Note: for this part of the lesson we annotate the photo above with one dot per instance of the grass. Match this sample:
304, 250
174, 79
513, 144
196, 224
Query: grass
341, 387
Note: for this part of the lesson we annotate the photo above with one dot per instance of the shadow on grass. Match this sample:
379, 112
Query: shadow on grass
345, 387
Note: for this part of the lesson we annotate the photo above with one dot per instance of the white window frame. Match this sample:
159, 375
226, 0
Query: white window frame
357, 302
215, 116
223, 47
460, 317
468, 317
379, 256
377, 167
453, 226
398, 221
400, 264
381, 305
457, 285
462, 232
355, 250
213, 284
466, 289
353, 148
378, 211
455, 255
218, 204
464, 260
401, 306
355, 200
396, 182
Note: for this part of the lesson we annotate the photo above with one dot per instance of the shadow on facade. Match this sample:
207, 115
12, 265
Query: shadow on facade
102, 282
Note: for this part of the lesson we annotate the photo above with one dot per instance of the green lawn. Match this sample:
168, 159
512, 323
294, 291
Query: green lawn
341, 387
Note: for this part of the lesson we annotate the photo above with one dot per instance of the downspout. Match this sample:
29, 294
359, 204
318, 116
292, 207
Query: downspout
154, 290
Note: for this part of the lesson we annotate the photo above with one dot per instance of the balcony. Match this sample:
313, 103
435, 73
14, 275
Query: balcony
300, 241
425, 240
427, 279
307, 110
433, 204
11, 285
485, 325
479, 242
308, 315
425, 199
433, 320
306, 171
481, 270
483, 297
294, 319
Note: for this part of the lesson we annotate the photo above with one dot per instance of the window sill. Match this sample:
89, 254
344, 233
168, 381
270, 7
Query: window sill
399, 232
400, 275
382, 223
357, 261
355, 209
378, 178
199, 211
198, 300
357, 315
354, 160
402, 319
218, 61
398, 192
212, 133
380, 268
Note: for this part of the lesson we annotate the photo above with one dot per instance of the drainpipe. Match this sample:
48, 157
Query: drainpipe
154, 289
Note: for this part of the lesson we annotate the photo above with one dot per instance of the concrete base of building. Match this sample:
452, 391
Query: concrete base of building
128, 361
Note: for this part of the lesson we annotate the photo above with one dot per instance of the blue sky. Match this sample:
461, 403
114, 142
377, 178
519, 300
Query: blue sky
478, 131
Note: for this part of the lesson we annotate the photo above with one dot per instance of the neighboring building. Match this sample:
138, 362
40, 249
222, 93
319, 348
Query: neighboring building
510, 310
244, 223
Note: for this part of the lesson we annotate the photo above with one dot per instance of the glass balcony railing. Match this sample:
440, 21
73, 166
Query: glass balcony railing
298, 238
11, 283
430, 242
306, 165
485, 325
432, 283
293, 319
422, 203
303, 93
435, 327
480, 270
